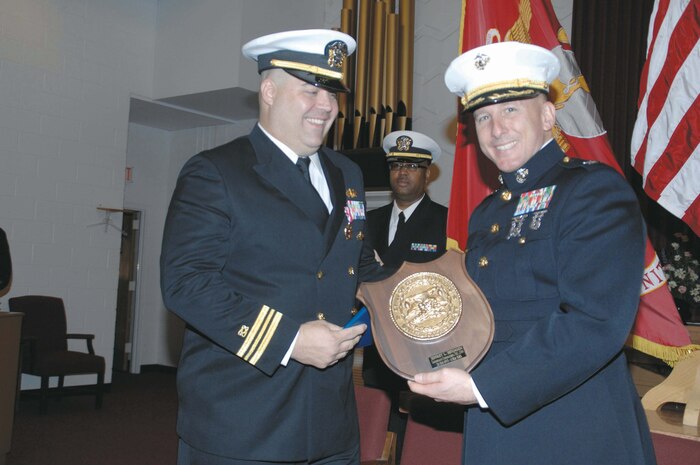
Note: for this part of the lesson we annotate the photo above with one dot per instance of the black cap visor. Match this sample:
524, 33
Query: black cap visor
331, 85
500, 96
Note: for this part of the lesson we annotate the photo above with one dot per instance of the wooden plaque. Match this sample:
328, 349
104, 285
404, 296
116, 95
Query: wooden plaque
428, 316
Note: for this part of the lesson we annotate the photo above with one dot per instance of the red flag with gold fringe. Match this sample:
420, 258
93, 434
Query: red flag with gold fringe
658, 330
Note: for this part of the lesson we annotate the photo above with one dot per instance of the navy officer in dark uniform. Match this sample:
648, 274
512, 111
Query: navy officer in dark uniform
412, 228
558, 251
262, 251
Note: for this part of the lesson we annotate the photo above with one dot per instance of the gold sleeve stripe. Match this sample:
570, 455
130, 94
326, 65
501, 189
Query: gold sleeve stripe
253, 331
266, 340
259, 336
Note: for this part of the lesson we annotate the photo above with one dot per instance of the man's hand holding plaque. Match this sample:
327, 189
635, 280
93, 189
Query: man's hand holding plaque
428, 316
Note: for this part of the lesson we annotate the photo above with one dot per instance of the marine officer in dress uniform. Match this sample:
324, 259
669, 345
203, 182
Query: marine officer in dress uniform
558, 250
262, 252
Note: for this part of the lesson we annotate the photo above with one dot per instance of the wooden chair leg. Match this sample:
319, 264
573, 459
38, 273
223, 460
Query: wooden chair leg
99, 389
44, 395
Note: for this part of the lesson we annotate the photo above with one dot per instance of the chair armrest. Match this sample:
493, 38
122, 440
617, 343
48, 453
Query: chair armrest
87, 337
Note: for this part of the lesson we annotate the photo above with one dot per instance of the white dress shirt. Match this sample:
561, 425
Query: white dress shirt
394, 219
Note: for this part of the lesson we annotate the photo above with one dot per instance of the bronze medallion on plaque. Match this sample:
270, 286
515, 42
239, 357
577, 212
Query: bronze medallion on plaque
428, 316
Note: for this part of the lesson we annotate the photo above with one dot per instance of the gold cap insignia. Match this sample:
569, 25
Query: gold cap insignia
337, 51
403, 143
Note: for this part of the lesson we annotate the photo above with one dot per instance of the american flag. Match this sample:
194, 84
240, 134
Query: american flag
667, 131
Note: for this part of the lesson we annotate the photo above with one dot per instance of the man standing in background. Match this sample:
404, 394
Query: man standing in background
412, 228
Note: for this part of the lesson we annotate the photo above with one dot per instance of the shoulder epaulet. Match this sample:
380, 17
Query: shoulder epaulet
570, 162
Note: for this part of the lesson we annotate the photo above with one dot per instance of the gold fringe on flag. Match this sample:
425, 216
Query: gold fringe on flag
668, 354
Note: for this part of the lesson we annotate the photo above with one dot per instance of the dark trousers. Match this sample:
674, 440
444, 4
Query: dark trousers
188, 455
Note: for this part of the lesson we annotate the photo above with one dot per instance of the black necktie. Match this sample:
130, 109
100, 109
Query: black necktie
400, 228
317, 209
303, 165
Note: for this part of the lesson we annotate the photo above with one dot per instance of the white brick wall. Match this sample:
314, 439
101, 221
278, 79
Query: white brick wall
67, 68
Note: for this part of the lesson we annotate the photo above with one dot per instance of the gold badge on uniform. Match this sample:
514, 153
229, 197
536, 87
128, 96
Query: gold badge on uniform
404, 143
336, 51
350, 193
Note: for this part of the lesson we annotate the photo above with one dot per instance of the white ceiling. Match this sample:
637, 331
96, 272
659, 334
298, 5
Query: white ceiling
211, 108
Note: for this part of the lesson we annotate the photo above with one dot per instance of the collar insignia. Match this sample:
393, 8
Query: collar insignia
521, 175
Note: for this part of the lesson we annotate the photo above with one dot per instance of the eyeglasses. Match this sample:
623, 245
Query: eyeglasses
411, 167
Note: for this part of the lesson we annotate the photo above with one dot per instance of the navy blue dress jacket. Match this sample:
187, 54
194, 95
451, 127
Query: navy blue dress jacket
560, 258
425, 235
245, 261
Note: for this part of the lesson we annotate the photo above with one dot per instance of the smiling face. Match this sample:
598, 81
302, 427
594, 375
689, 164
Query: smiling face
510, 133
295, 112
